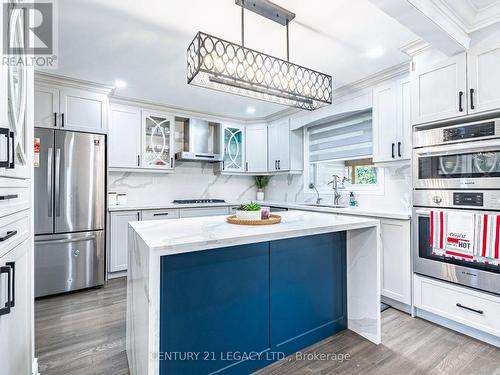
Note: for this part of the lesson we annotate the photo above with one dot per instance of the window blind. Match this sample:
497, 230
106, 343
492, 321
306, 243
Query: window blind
345, 139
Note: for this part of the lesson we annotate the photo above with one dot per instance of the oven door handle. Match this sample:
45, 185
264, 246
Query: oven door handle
460, 147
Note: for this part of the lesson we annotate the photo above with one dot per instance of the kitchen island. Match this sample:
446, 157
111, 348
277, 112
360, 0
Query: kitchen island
205, 296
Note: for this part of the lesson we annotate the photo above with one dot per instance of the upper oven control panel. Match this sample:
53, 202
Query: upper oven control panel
473, 131
481, 199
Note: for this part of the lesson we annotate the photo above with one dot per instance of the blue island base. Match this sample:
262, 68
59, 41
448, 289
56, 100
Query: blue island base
237, 309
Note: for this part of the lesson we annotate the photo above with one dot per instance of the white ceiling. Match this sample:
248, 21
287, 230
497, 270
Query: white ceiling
481, 4
144, 43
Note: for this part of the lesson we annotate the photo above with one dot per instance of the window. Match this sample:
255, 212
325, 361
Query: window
343, 148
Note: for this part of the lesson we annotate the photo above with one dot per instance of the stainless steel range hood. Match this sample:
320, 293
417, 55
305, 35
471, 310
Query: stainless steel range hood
201, 141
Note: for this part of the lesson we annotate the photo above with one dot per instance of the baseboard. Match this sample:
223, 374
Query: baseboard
396, 304
459, 327
115, 275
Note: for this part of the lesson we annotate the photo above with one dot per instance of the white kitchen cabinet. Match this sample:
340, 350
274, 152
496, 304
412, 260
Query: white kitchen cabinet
124, 137
118, 254
70, 109
395, 260
203, 211
439, 91
169, 213
256, 148
483, 78
279, 145
16, 326
233, 144
392, 122
157, 140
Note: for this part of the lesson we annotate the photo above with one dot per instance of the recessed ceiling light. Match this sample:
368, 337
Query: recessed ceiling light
375, 52
250, 110
120, 84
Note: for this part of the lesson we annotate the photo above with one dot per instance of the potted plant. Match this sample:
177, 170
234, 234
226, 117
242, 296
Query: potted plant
261, 182
249, 211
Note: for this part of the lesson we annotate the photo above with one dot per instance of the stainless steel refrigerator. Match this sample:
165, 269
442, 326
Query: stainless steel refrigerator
69, 211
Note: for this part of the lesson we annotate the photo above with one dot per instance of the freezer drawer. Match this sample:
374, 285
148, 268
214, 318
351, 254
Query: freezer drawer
66, 262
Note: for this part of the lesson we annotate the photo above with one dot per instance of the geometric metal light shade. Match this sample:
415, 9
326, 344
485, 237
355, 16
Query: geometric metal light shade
225, 66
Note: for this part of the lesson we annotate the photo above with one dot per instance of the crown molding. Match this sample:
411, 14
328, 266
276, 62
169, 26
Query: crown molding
415, 48
469, 17
56, 79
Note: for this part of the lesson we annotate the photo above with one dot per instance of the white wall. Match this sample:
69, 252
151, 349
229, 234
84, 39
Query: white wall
190, 180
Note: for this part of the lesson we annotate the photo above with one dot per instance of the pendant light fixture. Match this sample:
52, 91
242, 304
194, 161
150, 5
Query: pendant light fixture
225, 66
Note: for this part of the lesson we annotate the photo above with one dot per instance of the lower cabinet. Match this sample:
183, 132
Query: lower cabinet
204, 211
16, 310
237, 309
118, 254
395, 260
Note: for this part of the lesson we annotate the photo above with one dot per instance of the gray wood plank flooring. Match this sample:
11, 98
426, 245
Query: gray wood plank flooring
84, 333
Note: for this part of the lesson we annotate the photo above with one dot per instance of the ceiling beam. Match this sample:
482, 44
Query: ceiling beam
428, 21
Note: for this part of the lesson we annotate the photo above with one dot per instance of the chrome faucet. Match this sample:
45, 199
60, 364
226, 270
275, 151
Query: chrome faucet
318, 199
335, 185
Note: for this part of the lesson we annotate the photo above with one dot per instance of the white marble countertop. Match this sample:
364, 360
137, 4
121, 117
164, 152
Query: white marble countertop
176, 236
166, 206
402, 215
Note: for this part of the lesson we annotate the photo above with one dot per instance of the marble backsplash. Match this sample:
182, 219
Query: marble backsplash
191, 180
197, 180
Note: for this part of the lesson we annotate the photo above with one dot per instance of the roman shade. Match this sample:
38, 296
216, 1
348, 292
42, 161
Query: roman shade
345, 139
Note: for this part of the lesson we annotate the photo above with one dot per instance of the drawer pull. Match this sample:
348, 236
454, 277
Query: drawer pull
7, 197
161, 214
470, 309
9, 234
6, 310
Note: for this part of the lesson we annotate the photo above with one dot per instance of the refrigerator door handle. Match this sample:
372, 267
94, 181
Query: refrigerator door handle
66, 240
49, 180
58, 182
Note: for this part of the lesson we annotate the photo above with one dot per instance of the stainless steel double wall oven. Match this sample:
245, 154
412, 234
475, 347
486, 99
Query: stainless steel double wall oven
455, 167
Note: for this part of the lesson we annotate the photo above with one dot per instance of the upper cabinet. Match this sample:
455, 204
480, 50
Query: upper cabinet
233, 144
256, 148
439, 91
70, 109
461, 85
391, 122
158, 130
483, 79
124, 137
285, 147
140, 139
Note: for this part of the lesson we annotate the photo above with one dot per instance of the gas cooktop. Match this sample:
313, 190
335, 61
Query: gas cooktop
196, 201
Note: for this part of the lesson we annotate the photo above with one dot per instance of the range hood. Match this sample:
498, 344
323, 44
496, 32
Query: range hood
201, 141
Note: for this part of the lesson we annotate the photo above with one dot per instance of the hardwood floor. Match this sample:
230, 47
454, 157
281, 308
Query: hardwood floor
84, 333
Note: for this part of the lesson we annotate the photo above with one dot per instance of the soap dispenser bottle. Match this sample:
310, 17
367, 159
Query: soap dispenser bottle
352, 200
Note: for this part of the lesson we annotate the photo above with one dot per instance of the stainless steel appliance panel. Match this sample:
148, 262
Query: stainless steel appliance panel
79, 186
66, 262
469, 274
44, 183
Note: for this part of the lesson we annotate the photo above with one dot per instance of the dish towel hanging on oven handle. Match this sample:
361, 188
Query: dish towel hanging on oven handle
488, 238
460, 234
437, 230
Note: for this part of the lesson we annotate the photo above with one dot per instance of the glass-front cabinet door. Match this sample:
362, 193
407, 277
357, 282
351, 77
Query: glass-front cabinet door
234, 148
19, 80
157, 140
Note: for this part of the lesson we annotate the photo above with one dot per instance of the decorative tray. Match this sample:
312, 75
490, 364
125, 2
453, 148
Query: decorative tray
273, 219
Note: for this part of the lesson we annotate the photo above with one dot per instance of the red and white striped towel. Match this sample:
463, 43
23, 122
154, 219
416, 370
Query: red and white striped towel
488, 236
437, 229
460, 234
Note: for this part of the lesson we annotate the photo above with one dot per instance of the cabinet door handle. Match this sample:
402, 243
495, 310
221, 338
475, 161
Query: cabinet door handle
470, 309
55, 118
5, 132
12, 159
246, 166
12, 266
9, 234
279, 165
7, 197
460, 100
276, 165
399, 149
472, 106
393, 155
62, 120
171, 162
138, 160
6, 310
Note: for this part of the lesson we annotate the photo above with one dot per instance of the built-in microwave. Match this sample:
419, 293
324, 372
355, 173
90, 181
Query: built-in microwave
464, 156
